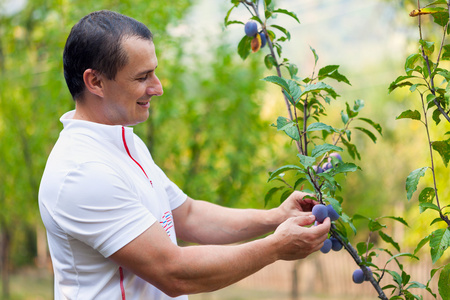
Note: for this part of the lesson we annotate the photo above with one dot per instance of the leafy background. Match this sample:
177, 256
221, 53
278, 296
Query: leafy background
210, 131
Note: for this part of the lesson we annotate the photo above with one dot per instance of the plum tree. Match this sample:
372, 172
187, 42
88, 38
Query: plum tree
370, 272
327, 244
320, 211
251, 28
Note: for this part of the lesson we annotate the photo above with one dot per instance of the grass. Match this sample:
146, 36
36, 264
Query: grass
34, 284
30, 284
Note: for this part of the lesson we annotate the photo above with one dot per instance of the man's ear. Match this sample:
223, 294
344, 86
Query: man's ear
93, 81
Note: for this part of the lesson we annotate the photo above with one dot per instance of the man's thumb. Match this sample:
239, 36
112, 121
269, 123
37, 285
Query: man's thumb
305, 220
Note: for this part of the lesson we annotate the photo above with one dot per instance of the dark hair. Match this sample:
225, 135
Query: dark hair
95, 43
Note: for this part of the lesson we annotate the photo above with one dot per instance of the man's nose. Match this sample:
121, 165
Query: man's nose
155, 87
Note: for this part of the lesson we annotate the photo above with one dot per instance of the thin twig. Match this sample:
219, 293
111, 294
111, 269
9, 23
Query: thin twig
442, 216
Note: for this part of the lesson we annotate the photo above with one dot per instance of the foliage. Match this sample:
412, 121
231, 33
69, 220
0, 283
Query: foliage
306, 99
425, 77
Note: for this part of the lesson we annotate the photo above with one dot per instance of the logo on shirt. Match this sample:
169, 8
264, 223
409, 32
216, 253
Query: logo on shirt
167, 222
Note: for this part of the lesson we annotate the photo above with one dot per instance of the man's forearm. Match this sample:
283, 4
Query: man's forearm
206, 223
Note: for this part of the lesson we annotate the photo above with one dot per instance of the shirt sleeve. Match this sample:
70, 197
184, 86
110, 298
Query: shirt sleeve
97, 206
175, 194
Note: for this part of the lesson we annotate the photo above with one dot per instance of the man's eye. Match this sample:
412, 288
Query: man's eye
142, 78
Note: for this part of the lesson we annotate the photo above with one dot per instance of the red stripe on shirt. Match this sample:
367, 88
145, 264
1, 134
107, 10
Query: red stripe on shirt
122, 289
128, 151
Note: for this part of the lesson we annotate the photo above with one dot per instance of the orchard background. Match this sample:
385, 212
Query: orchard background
211, 130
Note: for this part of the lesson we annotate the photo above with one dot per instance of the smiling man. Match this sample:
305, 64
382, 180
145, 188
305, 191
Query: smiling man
113, 217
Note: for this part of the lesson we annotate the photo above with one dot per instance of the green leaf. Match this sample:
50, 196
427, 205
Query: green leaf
228, 14
375, 225
413, 180
291, 14
244, 47
322, 149
411, 62
316, 57
306, 161
320, 86
439, 242
269, 61
402, 254
332, 72
445, 56
444, 2
428, 47
234, 22
282, 169
294, 90
397, 278
426, 196
293, 70
288, 127
422, 243
368, 133
271, 192
345, 168
346, 219
399, 82
399, 219
298, 182
436, 116
425, 206
352, 149
440, 18
283, 30
444, 283
278, 81
374, 125
409, 114
436, 220
358, 105
320, 126
344, 117
389, 240
443, 148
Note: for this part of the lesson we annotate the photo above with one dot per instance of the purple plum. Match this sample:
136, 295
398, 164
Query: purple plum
326, 246
320, 211
251, 28
336, 244
358, 276
332, 213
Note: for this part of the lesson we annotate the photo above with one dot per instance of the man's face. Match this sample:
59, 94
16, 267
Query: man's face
127, 97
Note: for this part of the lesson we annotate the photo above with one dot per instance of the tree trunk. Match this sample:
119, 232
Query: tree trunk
41, 240
294, 287
5, 254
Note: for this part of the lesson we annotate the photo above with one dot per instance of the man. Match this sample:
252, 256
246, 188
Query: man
113, 217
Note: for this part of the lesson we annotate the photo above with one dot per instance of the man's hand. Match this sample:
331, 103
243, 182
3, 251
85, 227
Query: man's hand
297, 204
296, 241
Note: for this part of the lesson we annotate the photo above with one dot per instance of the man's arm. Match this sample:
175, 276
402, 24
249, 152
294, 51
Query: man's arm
186, 270
206, 223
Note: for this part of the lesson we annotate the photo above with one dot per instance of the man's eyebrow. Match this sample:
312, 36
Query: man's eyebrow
146, 71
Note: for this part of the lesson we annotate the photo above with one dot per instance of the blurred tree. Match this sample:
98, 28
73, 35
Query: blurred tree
206, 131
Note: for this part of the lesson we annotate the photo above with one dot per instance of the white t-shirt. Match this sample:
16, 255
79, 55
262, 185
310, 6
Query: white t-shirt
99, 191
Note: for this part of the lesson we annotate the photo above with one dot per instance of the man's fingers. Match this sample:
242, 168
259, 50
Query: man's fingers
323, 228
306, 219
